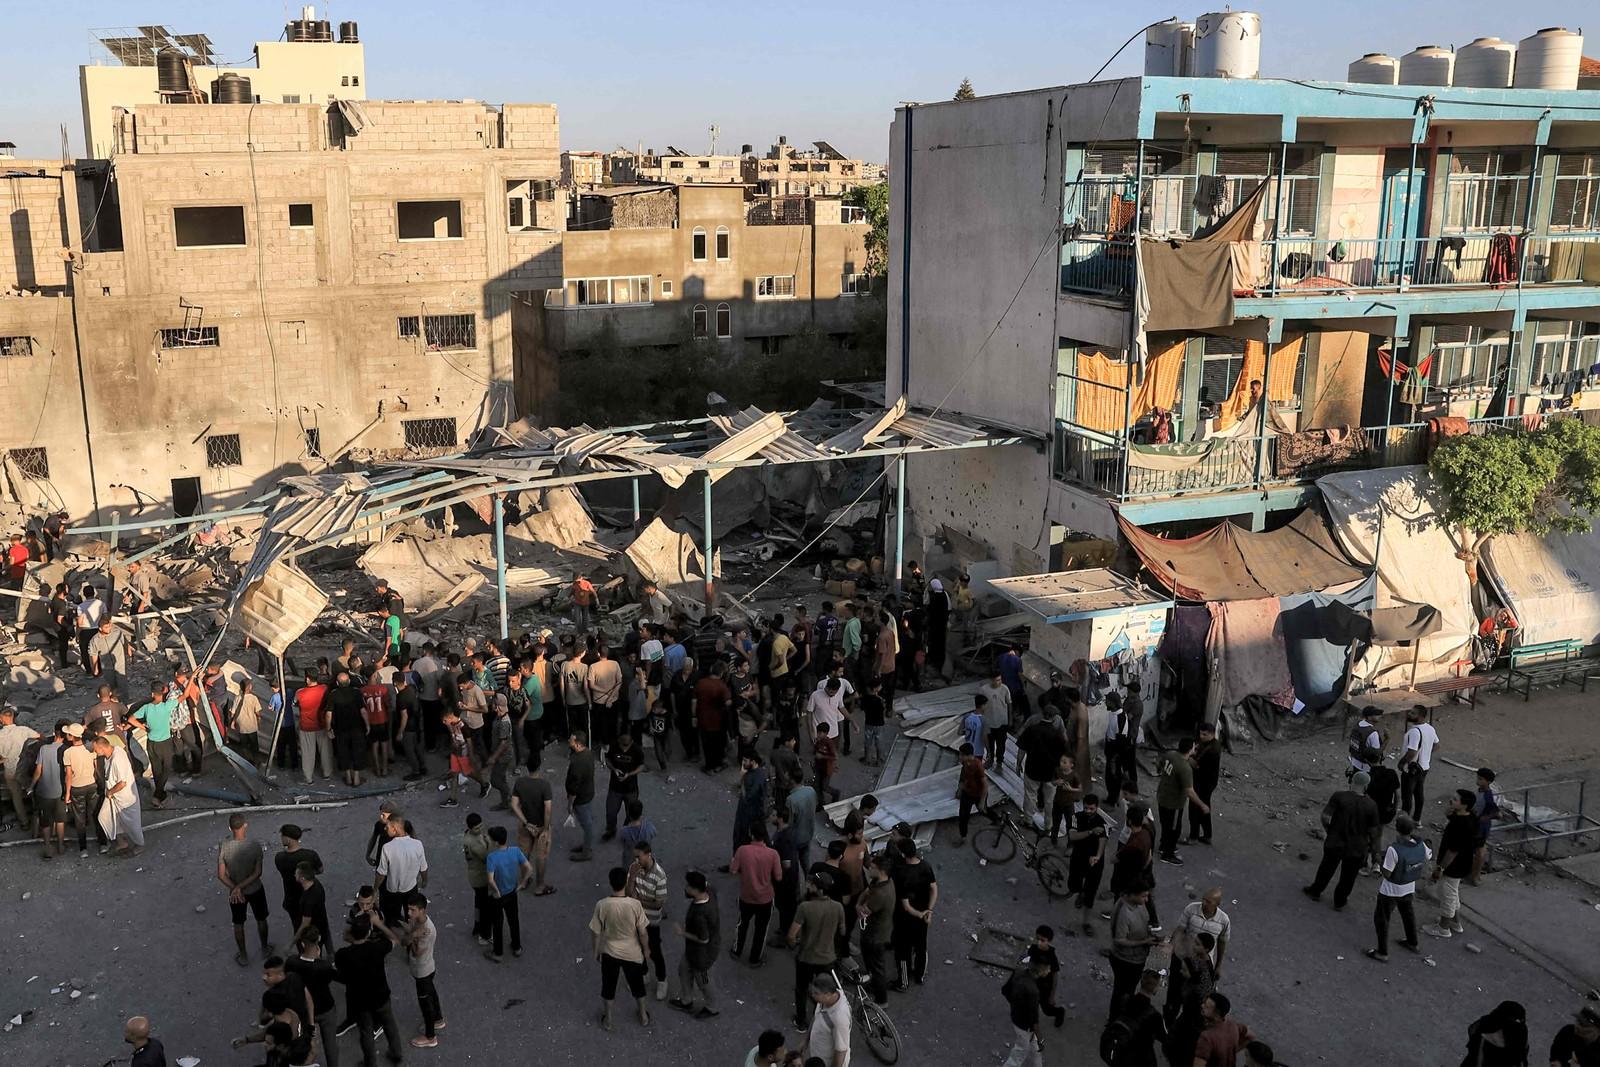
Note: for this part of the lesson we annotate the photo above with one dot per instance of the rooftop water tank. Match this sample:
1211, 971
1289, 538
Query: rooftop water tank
1549, 60
1375, 68
1485, 63
1169, 50
348, 33
1427, 65
170, 75
231, 89
1227, 44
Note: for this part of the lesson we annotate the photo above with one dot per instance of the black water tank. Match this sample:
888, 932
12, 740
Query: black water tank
324, 30
348, 34
171, 76
231, 89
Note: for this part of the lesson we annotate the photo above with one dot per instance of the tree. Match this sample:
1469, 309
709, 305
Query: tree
965, 91
874, 199
1519, 481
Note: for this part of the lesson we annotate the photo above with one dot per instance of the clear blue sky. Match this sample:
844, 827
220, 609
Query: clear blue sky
662, 73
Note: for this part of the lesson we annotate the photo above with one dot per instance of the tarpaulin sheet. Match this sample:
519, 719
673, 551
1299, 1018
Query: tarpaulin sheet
1551, 584
1246, 644
1229, 562
1190, 284
1416, 564
1318, 659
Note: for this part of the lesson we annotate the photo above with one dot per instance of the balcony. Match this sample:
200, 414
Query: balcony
1110, 467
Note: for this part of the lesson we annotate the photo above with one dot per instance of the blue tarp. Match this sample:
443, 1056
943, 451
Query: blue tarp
1317, 665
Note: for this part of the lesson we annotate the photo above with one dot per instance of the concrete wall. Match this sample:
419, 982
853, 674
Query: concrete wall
32, 234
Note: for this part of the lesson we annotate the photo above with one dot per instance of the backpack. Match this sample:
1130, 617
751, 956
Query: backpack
1361, 746
1410, 857
28, 759
1115, 1039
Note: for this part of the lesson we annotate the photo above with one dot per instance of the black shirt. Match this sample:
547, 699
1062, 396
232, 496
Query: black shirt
317, 976
1566, 1046
153, 1055
622, 761
314, 905
1083, 850
531, 793
1461, 841
1022, 993
406, 704
344, 706
1208, 767
831, 878
1045, 744
580, 777
361, 969
701, 920
872, 709
914, 882
1384, 789
287, 862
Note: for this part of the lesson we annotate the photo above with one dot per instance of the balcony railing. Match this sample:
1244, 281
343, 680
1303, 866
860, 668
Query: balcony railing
1223, 464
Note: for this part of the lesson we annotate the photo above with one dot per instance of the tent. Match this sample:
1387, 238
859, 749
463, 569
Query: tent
1551, 584
1229, 562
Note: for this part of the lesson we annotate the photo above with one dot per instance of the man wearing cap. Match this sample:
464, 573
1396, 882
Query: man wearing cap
49, 798
81, 790
13, 735
1348, 820
1577, 1044
1402, 865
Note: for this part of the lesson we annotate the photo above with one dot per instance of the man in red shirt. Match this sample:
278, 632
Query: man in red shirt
315, 739
824, 761
973, 791
1221, 1038
378, 701
711, 699
759, 870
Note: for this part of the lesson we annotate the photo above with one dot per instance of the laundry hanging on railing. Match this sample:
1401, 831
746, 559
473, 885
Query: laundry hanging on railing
1280, 377
1397, 369
1501, 267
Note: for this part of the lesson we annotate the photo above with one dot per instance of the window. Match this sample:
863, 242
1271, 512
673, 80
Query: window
190, 337
520, 195
15, 346
1467, 357
301, 216
1486, 190
850, 214
31, 462
355, 79
314, 442
697, 245
701, 322
666, 288
1563, 353
440, 331
345, 80
1224, 359
292, 332
428, 220
855, 285
588, 292
429, 433
722, 242
291, 98
514, 213
224, 450
770, 346
1576, 204
777, 286
724, 321
208, 227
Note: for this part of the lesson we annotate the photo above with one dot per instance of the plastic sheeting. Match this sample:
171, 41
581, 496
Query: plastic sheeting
1317, 663
1246, 643
1229, 562
1551, 584
1388, 515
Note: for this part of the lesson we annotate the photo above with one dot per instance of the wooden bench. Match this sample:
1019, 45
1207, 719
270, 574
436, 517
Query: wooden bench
1466, 683
1549, 660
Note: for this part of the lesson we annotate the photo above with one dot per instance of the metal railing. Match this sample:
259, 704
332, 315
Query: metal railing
1098, 265
1166, 201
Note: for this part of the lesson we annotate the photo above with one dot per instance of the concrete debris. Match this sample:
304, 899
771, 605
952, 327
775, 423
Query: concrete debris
452, 604
563, 522
669, 558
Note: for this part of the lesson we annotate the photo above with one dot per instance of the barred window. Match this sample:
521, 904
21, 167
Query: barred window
775, 285
31, 462
224, 450
855, 285
15, 346
190, 337
701, 321
429, 433
314, 442
440, 331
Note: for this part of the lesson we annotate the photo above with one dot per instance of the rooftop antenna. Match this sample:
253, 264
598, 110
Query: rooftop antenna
715, 131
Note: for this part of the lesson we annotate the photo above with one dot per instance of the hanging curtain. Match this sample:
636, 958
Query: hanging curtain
1280, 385
1101, 381
1161, 376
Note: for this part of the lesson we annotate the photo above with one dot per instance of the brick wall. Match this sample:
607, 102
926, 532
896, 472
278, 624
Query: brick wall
162, 129
398, 126
32, 233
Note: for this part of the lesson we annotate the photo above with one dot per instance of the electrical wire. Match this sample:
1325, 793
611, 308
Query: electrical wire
1130, 40
261, 273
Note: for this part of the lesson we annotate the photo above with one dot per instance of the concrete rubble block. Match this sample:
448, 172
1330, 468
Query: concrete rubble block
563, 522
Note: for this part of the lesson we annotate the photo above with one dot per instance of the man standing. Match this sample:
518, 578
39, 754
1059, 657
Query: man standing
1041, 745
13, 735
90, 611
366, 985
1021, 991
1454, 863
1348, 820
108, 648
916, 892
292, 856
1123, 736
1207, 773
1403, 863
81, 779
119, 812
147, 1051
50, 790
759, 871
972, 790
701, 931
625, 761
1577, 1044
621, 939
475, 849
239, 871
973, 727
311, 914
824, 761
509, 872
994, 700
580, 793
1131, 941
502, 747
1086, 840
1221, 1039
532, 805
875, 908
712, 698
647, 883
1421, 741
828, 1040
1366, 742
402, 869
1176, 787
605, 694
418, 937
317, 975
814, 936
316, 743
1204, 916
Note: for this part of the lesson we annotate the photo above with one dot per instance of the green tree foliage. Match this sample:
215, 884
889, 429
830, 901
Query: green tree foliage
965, 91
1520, 481
875, 200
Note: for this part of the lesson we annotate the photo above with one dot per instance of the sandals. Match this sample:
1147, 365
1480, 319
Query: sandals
544, 892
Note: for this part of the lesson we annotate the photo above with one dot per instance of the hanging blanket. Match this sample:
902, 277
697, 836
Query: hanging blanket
1246, 644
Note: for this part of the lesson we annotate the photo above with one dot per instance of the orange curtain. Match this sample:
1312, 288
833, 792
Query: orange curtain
1161, 375
1280, 385
1102, 380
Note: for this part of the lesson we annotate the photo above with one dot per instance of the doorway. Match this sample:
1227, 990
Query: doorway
1404, 203
185, 497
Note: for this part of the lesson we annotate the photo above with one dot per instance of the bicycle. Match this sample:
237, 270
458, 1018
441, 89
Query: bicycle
871, 1018
1000, 842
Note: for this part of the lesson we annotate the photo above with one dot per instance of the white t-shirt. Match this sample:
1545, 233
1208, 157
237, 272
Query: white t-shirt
846, 690
828, 709
401, 861
1391, 859
1195, 922
830, 1032
651, 651
1422, 737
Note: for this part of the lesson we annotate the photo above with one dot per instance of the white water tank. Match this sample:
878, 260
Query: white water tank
1169, 50
1549, 60
1486, 63
1427, 65
1375, 68
1227, 44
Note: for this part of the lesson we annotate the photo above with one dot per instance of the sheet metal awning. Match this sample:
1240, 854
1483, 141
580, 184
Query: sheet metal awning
1068, 596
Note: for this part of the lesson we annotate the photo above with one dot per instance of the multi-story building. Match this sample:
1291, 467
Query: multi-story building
826, 171
307, 67
662, 264
582, 168
1414, 253
246, 291
674, 167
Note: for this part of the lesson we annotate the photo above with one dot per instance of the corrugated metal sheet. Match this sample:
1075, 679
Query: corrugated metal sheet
936, 703
279, 607
934, 431
1062, 594
868, 429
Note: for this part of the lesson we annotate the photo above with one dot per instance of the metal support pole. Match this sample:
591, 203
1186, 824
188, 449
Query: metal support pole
500, 560
1527, 225
1261, 416
635, 503
1388, 404
711, 581
277, 727
1133, 326
1405, 227
1277, 213
111, 555
899, 523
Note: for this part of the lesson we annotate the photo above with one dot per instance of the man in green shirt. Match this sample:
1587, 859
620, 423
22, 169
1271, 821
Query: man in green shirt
1175, 792
475, 849
814, 935
392, 632
156, 717
850, 636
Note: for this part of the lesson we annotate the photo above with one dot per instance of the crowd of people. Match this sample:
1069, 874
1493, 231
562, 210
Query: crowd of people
785, 706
